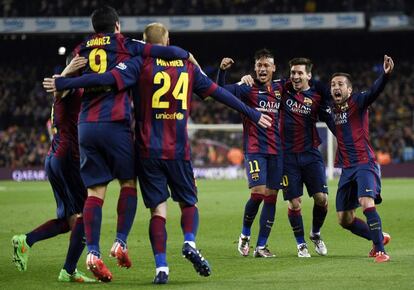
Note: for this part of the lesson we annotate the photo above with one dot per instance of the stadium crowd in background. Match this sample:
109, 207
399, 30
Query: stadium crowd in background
14, 8
25, 109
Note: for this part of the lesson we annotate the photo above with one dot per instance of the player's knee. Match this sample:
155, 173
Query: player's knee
321, 199
261, 189
160, 210
345, 220
295, 203
184, 205
97, 191
128, 183
366, 202
270, 192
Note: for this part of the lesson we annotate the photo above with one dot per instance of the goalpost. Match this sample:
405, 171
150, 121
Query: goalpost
238, 128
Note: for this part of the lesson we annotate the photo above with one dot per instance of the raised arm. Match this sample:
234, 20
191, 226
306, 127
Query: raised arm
226, 64
367, 97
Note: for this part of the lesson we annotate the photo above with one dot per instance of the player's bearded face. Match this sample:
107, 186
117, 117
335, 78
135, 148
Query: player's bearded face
340, 89
264, 68
299, 77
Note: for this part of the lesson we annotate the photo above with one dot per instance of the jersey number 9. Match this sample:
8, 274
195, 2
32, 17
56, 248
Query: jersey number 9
98, 60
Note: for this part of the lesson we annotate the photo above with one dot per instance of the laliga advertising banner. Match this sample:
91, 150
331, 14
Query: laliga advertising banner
191, 23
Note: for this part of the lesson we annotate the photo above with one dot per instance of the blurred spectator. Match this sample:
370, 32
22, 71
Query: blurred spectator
25, 109
383, 157
235, 156
18, 8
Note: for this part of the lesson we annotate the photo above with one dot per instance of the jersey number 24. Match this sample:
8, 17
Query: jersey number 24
179, 92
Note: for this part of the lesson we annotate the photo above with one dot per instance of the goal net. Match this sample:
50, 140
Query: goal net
217, 150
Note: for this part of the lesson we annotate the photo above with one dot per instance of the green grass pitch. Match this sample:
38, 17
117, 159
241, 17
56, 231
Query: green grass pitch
26, 205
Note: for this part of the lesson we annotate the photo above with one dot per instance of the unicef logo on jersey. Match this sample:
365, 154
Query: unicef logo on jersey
169, 116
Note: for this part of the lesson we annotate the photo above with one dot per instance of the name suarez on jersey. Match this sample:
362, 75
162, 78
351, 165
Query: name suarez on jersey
98, 41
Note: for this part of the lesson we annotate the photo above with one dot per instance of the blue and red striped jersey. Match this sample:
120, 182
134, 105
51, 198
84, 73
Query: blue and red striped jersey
64, 119
352, 128
265, 99
299, 113
104, 52
162, 98
162, 103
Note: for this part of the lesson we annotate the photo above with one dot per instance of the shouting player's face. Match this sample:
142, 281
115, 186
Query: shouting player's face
340, 89
299, 77
264, 68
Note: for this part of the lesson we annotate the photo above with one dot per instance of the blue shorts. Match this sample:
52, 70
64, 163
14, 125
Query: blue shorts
303, 168
67, 185
106, 152
358, 181
264, 169
155, 176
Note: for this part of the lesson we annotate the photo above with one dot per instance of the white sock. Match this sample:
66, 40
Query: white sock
191, 243
312, 234
243, 236
162, 269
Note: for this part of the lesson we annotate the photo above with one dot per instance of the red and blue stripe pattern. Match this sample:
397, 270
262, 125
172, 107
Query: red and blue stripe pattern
352, 127
298, 116
64, 118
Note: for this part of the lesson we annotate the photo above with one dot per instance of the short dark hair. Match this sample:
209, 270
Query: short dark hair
104, 19
342, 74
264, 52
302, 61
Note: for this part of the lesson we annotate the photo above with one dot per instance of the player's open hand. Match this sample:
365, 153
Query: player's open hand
388, 64
265, 121
49, 84
226, 63
76, 64
248, 80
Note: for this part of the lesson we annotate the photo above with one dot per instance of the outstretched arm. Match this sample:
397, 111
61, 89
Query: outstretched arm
158, 51
366, 98
86, 81
230, 100
124, 75
204, 87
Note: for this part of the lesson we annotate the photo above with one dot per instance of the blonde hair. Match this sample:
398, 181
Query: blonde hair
155, 33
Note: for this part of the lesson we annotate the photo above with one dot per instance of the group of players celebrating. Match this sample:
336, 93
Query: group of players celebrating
120, 111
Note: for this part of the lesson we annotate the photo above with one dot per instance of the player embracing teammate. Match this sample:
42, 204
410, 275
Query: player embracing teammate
163, 93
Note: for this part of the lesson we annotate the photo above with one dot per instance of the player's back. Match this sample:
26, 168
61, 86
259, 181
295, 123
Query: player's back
162, 108
104, 51
64, 119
